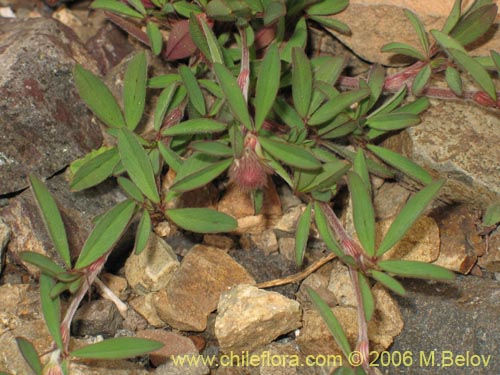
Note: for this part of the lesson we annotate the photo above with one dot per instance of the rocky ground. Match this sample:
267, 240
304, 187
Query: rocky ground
200, 294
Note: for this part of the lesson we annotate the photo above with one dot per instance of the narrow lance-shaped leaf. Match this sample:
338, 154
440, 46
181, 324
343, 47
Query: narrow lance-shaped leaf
492, 215
360, 167
302, 235
106, 233
44, 263
362, 212
233, 95
213, 44
52, 219
193, 89
29, 354
137, 164
290, 154
454, 80
134, 90
131, 189
421, 80
416, 269
171, 157
143, 232
163, 105
495, 56
268, 83
195, 126
202, 220
325, 230
366, 296
115, 6
301, 81
212, 148
98, 97
419, 28
201, 177
325, 8
393, 121
405, 165
138, 5
51, 309
117, 348
446, 41
408, 215
95, 170
453, 17
475, 24
388, 281
331, 321
155, 37
198, 35
403, 49
332, 23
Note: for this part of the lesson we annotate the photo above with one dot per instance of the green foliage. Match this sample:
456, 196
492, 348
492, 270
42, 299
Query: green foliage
116, 348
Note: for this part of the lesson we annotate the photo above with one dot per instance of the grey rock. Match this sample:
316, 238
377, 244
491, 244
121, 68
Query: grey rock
249, 318
44, 124
4, 239
442, 318
100, 317
170, 368
491, 260
117, 367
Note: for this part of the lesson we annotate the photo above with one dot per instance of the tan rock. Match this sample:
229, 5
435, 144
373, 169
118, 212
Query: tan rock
174, 345
288, 222
249, 318
265, 241
152, 269
144, 305
318, 283
186, 302
286, 247
219, 241
491, 259
340, 284
389, 200
117, 284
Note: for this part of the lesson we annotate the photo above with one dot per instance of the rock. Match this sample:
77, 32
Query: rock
186, 302
288, 198
286, 246
288, 222
457, 141
421, 242
144, 305
265, 241
249, 317
4, 240
45, 124
389, 200
170, 368
118, 285
460, 241
152, 269
21, 303
99, 317
318, 283
175, 345
465, 311
340, 285
219, 241
374, 24
491, 259
109, 367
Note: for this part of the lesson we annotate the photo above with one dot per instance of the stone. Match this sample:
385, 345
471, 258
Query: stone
117, 284
219, 241
464, 311
174, 345
4, 240
144, 305
99, 317
265, 240
152, 269
108, 367
249, 317
374, 24
286, 246
491, 259
389, 200
340, 285
421, 242
319, 283
194, 290
287, 224
460, 242
44, 123
170, 368
457, 141
20, 303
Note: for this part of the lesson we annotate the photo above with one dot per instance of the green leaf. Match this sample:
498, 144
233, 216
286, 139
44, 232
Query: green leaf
496, 59
155, 37
403, 49
117, 348
454, 80
115, 6
416, 269
453, 17
137, 164
366, 296
131, 189
51, 218
345, 371
405, 165
163, 81
331, 173
257, 200
143, 232
388, 281
51, 309
268, 82
200, 177
362, 212
492, 215
419, 28
287, 114
134, 89
421, 80
193, 89
185, 8
233, 95
325, 8
290, 154
408, 215
95, 170
331, 321
392, 121
325, 231
301, 82
29, 354
213, 45
198, 36
336, 105
98, 97
171, 158
476, 70
361, 169
44, 263
332, 23
202, 220
392, 103
446, 41
475, 24
298, 39
196, 126
376, 82
137, 4
163, 105
212, 148
106, 233
302, 235
274, 11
